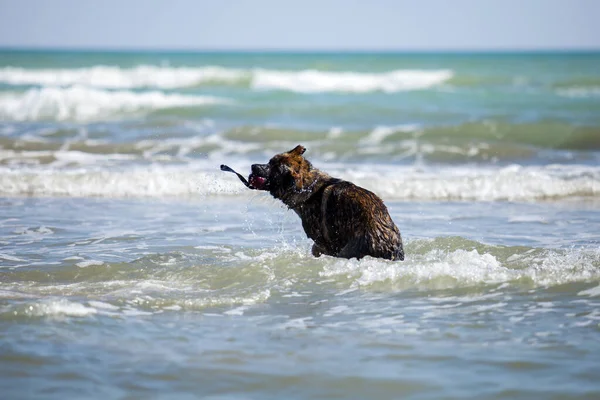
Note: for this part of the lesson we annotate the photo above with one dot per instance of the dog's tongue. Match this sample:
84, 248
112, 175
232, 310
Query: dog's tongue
258, 182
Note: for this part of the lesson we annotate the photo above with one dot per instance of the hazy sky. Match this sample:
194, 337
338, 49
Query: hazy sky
301, 24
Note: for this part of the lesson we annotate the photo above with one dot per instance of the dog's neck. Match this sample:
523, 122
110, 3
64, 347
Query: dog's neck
310, 185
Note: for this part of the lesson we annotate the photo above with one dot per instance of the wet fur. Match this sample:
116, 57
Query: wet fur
343, 220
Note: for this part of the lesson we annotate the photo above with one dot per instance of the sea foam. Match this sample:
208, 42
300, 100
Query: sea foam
86, 104
313, 81
59, 307
442, 269
579, 92
155, 181
113, 77
302, 81
513, 183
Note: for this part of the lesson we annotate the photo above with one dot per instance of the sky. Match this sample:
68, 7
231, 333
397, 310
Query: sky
301, 24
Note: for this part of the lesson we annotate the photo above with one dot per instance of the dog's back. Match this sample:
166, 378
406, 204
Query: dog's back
348, 221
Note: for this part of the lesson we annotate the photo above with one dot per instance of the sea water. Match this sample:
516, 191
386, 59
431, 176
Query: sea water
130, 266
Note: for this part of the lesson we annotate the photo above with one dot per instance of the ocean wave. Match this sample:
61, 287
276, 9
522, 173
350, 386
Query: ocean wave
112, 77
301, 81
480, 140
61, 307
80, 103
401, 144
313, 81
580, 92
153, 181
449, 263
513, 183
177, 281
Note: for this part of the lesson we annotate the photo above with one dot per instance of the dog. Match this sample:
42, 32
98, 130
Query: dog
343, 219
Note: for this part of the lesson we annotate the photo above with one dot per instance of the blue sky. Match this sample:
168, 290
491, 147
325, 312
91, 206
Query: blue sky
302, 24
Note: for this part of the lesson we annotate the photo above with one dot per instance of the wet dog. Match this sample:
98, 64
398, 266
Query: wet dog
343, 220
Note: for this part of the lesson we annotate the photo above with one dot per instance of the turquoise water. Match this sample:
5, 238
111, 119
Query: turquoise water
130, 266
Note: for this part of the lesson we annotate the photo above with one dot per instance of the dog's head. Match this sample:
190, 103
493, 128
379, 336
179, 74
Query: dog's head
286, 174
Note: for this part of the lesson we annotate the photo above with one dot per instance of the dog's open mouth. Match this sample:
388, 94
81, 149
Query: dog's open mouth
257, 182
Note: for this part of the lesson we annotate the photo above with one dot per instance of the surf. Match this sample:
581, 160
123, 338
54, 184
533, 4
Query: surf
83, 104
299, 81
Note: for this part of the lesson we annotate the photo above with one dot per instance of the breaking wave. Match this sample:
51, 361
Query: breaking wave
580, 92
179, 281
312, 81
303, 81
453, 262
86, 104
113, 77
512, 183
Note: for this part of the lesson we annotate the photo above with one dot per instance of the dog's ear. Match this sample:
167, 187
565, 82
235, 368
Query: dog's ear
298, 150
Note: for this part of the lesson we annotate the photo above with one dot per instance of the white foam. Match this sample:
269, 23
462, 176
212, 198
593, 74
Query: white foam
149, 76
335, 132
102, 305
85, 104
439, 269
113, 77
237, 311
154, 181
458, 268
313, 81
8, 257
243, 300
134, 312
296, 323
592, 292
89, 263
343, 309
579, 92
528, 219
380, 133
60, 307
513, 183
390, 182
160, 150
172, 308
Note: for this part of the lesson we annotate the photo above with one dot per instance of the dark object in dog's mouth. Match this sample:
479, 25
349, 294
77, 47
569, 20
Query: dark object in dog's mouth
256, 182
229, 169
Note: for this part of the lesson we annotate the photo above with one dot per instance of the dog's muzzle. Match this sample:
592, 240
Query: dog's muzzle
258, 177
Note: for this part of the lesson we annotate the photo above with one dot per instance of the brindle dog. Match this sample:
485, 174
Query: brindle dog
344, 220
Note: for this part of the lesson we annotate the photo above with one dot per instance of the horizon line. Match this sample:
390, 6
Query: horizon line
457, 50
